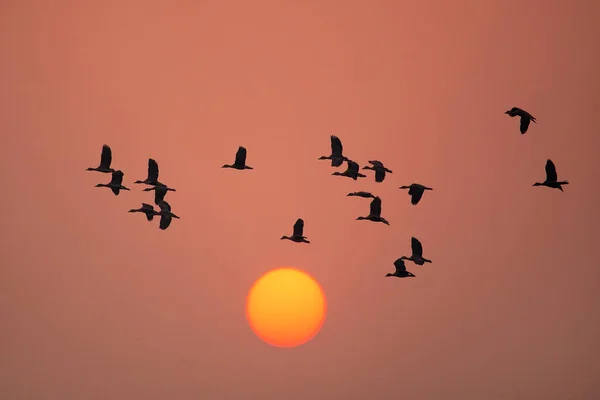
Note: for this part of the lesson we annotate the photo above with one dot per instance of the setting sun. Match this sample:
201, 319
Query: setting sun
286, 307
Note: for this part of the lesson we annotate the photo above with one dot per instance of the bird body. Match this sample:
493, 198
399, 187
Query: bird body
365, 195
400, 271
351, 171
551, 178
417, 253
379, 169
115, 183
526, 118
415, 191
166, 216
298, 233
375, 212
105, 161
337, 158
240, 160
146, 209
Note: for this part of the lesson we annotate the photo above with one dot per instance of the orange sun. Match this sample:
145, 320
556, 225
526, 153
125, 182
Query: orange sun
286, 307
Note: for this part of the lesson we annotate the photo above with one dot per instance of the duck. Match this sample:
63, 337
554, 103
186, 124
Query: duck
417, 252
166, 216
146, 209
160, 191
375, 212
351, 171
379, 169
415, 191
400, 271
240, 160
336, 157
152, 178
297, 236
526, 118
115, 183
105, 161
365, 195
551, 178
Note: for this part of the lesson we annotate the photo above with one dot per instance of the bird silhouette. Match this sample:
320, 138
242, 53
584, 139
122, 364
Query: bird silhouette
351, 171
365, 195
551, 178
146, 209
115, 183
105, 161
336, 157
375, 212
379, 169
400, 271
526, 118
415, 191
166, 216
240, 160
297, 236
152, 178
160, 191
417, 253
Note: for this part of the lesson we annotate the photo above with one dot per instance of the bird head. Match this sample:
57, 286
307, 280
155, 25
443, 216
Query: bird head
138, 182
90, 169
284, 237
323, 158
99, 185
175, 216
226, 166
360, 218
132, 210
537, 184
149, 189
404, 187
388, 274
336, 173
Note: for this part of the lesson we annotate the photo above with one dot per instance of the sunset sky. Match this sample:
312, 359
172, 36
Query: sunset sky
99, 304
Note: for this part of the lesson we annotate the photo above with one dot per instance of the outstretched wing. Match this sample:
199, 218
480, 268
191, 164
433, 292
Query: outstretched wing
159, 194
336, 146
417, 247
551, 175
240, 156
117, 178
352, 167
379, 175
106, 157
299, 227
376, 163
164, 206
148, 207
399, 264
417, 193
376, 207
525, 120
152, 170
165, 221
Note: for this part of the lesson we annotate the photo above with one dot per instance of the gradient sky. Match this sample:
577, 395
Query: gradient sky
96, 303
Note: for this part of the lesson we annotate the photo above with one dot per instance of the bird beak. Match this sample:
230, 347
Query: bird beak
505, 112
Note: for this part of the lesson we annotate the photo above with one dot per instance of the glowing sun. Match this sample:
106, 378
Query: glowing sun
286, 307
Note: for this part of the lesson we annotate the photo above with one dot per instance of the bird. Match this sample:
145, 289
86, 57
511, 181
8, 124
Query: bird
351, 171
166, 216
416, 191
240, 160
417, 253
379, 169
152, 178
336, 157
400, 271
105, 161
297, 236
526, 118
115, 183
366, 195
160, 191
375, 212
551, 178
146, 209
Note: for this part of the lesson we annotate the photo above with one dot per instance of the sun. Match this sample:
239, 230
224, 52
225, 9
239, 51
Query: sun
286, 307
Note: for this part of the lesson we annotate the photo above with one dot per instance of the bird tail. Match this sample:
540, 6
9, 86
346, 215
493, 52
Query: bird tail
563, 183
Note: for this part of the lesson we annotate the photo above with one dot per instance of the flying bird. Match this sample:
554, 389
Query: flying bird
105, 161
375, 212
297, 236
336, 157
379, 169
240, 160
551, 178
417, 253
526, 118
415, 191
351, 171
400, 271
115, 183
146, 209
152, 178
166, 216
160, 191
366, 195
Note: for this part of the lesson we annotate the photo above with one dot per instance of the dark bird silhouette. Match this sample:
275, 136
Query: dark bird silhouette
551, 178
152, 178
105, 161
366, 195
146, 209
415, 191
297, 236
240, 160
375, 212
160, 191
526, 118
417, 253
166, 216
379, 169
115, 183
336, 157
351, 171
400, 271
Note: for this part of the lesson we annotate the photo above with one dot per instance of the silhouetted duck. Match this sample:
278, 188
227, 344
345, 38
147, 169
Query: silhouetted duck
152, 178
166, 215
351, 171
415, 191
417, 253
146, 209
400, 271
379, 169
105, 161
366, 195
375, 212
551, 178
160, 191
115, 183
526, 118
297, 236
336, 157
240, 160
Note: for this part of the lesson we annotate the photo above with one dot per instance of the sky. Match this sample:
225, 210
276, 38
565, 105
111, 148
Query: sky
97, 303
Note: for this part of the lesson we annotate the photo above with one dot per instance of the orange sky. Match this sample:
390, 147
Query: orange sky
96, 303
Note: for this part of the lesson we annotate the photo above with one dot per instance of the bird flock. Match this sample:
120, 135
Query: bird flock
337, 158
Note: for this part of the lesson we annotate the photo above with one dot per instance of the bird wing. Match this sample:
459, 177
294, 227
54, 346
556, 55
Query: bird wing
117, 178
376, 163
379, 175
164, 206
376, 207
551, 175
417, 193
240, 156
159, 194
299, 227
417, 247
106, 156
152, 170
352, 167
399, 264
365, 194
336, 146
525, 120
146, 206
165, 221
